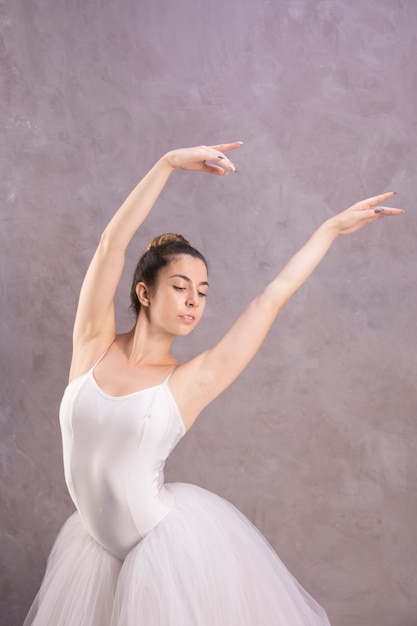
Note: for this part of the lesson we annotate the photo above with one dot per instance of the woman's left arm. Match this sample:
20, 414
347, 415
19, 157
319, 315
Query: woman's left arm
215, 369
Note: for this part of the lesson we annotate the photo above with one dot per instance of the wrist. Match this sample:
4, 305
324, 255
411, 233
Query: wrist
165, 162
330, 229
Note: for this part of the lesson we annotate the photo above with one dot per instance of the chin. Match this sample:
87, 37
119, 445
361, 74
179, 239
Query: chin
184, 332
185, 329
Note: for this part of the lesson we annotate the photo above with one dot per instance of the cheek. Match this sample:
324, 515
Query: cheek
202, 306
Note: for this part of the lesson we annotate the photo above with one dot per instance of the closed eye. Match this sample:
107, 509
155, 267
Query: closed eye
200, 293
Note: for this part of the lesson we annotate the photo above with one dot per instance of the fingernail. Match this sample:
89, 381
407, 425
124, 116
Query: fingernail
378, 210
236, 171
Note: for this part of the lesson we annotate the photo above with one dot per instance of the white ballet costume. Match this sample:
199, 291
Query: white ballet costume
138, 552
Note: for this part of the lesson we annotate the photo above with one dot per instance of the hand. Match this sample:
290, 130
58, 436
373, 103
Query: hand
362, 213
210, 159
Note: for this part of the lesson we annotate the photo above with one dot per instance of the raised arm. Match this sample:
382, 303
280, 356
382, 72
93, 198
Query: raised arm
95, 326
212, 371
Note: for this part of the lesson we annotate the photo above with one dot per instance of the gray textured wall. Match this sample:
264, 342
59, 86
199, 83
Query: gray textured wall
316, 442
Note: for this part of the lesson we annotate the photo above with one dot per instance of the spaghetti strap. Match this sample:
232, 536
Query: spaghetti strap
166, 379
100, 358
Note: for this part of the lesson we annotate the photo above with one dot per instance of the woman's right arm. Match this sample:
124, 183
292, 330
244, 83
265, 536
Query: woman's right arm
95, 325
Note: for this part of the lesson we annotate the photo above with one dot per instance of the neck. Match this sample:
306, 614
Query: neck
145, 345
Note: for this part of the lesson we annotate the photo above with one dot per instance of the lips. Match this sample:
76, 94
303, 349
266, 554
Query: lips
187, 318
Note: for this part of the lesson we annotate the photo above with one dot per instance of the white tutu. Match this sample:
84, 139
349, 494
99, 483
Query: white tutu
205, 564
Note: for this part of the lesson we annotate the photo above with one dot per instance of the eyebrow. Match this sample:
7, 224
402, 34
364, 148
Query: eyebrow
203, 282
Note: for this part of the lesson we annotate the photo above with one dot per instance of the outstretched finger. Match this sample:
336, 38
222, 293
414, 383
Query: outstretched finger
374, 200
224, 147
382, 211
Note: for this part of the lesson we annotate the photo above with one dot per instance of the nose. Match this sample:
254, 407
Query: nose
192, 299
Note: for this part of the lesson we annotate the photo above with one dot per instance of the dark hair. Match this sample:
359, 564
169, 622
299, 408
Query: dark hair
159, 254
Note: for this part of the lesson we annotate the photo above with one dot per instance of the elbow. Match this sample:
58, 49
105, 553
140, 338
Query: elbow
106, 240
275, 296
108, 244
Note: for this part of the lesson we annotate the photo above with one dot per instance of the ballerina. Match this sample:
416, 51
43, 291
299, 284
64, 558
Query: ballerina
138, 551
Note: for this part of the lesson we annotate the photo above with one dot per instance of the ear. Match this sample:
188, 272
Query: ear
142, 293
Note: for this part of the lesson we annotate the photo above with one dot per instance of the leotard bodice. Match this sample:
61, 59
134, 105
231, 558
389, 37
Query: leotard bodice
115, 450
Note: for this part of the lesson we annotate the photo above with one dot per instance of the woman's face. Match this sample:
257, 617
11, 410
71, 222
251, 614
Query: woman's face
177, 303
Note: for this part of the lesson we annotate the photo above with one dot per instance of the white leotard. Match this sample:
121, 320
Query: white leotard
115, 450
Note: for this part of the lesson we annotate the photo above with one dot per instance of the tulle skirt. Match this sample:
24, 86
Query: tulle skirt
205, 564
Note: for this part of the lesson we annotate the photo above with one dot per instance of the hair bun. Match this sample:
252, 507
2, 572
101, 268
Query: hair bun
165, 239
